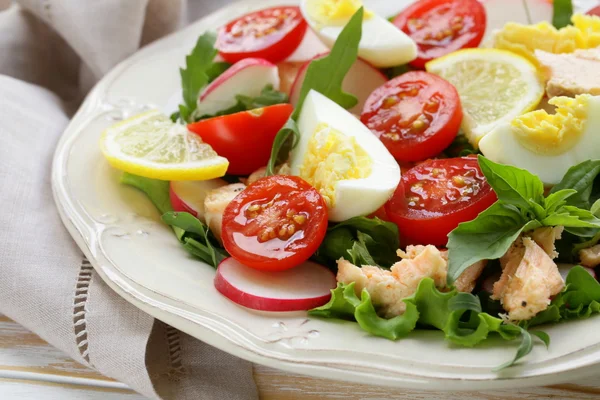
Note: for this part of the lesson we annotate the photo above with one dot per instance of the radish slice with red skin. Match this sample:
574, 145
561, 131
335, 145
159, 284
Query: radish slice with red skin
301, 288
361, 81
188, 196
247, 77
310, 47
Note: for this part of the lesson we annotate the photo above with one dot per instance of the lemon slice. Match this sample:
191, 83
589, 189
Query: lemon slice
151, 145
494, 86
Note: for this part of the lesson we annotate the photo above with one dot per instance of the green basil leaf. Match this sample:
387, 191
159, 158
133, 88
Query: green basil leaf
487, 237
582, 288
558, 199
185, 221
581, 179
326, 74
524, 348
549, 315
572, 217
394, 328
563, 11
595, 209
195, 75
285, 140
513, 185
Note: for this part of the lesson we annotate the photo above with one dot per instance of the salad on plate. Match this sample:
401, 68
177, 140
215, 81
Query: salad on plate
433, 170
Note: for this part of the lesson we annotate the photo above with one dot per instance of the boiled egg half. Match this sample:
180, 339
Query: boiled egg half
548, 144
342, 159
382, 44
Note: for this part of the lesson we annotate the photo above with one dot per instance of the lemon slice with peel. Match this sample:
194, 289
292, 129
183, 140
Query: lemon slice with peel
151, 145
494, 86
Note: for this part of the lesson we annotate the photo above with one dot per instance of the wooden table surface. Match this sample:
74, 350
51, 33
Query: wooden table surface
32, 369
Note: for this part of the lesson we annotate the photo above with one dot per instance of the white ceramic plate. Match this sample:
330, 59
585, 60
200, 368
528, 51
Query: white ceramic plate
119, 231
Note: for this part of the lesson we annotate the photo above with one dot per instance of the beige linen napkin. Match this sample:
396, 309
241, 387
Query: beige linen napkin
51, 52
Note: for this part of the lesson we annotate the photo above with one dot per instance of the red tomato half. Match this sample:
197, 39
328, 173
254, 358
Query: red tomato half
416, 115
440, 27
276, 223
594, 11
272, 34
437, 195
244, 138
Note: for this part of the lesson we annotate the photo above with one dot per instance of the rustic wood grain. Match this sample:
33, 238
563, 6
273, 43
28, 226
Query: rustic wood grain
23, 352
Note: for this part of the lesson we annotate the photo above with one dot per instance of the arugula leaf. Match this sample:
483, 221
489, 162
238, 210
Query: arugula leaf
195, 237
157, 191
398, 70
359, 253
369, 241
326, 74
524, 348
562, 13
487, 237
268, 97
286, 139
513, 185
581, 179
195, 75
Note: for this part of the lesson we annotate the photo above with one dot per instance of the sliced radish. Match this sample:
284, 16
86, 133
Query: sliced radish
564, 270
301, 288
247, 77
188, 196
361, 81
310, 47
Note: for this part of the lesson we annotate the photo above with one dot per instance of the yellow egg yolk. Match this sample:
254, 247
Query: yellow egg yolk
330, 157
524, 39
552, 134
334, 12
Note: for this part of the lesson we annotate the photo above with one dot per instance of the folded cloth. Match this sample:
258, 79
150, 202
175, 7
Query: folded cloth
51, 52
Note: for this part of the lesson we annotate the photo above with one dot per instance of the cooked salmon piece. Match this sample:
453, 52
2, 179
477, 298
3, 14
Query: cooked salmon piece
468, 279
590, 257
529, 279
388, 288
215, 203
571, 74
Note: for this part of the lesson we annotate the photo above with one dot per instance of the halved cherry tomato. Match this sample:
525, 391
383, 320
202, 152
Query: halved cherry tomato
437, 195
276, 223
440, 27
244, 138
416, 115
272, 34
594, 11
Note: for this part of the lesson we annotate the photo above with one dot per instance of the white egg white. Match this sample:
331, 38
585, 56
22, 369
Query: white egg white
353, 197
502, 145
382, 44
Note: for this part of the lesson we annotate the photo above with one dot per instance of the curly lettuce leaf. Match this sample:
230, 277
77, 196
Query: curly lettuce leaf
458, 315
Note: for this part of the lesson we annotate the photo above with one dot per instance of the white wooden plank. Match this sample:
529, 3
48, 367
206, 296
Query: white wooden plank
25, 390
